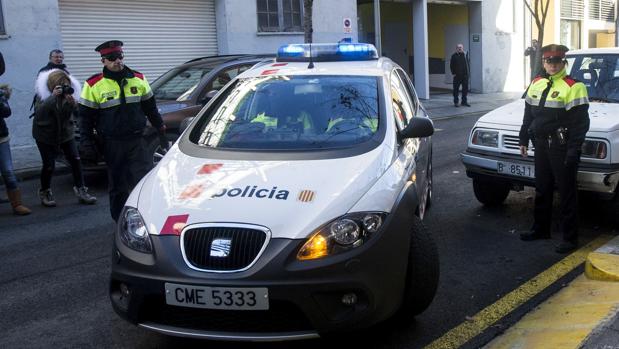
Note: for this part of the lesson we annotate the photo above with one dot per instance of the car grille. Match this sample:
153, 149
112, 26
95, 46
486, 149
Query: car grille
512, 142
222, 248
282, 316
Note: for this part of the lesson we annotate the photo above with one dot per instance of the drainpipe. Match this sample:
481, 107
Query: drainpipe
377, 42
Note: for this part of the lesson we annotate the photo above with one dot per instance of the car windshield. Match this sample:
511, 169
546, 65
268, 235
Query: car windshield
293, 113
600, 73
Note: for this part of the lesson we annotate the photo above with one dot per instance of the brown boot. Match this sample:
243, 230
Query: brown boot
15, 199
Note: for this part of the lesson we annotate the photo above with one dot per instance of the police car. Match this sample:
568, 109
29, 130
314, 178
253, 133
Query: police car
290, 207
492, 158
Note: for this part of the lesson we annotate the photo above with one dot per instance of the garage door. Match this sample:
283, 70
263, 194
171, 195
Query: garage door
158, 34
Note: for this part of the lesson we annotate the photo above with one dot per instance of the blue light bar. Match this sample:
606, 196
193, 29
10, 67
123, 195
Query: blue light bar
327, 52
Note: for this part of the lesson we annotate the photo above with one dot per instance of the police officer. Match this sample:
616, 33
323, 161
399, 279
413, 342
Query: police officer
116, 103
556, 119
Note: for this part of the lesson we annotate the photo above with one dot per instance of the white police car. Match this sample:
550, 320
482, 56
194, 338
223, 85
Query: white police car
492, 158
291, 207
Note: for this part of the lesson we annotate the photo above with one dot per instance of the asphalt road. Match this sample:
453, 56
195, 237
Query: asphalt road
54, 266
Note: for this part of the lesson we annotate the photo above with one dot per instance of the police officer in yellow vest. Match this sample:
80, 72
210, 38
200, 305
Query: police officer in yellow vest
115, 103
556, 119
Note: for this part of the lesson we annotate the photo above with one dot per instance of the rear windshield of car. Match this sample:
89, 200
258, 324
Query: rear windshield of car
179, 83
292, 113
600, 73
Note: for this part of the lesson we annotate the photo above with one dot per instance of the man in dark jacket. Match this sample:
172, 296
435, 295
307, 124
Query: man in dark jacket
116, 103
56, 57
459, 66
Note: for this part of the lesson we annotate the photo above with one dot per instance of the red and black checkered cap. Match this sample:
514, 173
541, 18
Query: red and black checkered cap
110, 46
554, 50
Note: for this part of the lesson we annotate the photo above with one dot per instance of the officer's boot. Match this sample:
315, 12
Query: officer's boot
15, 199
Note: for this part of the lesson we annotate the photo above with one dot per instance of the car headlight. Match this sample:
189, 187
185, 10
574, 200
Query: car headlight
485, 138
133, 232
594, 149
342, 234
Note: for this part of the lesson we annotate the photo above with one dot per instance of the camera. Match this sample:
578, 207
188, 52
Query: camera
67, 90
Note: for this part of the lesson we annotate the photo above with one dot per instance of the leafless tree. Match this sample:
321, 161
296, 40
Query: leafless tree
539, 10
307, 20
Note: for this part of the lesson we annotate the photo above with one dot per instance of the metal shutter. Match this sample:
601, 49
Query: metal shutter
603, 10
157, 34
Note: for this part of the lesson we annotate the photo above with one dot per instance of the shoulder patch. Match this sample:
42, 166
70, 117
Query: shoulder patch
94, 79
139, 75
569, 80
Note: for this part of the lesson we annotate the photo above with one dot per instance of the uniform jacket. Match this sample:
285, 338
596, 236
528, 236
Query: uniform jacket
552, 102
115, 112
52, 123
459, 64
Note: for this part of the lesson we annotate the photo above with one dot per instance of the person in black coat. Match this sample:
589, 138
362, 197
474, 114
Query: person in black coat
52, 128
459, 66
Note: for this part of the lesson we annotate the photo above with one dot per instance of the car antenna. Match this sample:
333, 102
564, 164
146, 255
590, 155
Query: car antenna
311, 62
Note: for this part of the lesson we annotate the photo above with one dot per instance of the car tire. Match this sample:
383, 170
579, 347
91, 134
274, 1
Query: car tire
490, 193
422, 273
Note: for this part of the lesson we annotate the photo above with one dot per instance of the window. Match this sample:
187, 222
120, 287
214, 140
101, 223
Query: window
280, 15
570, 33
400, 102
293, 113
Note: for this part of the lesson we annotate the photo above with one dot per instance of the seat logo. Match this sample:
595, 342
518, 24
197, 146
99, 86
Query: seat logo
221, 247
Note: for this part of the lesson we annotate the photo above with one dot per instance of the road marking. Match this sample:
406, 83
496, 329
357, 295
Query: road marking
477, 324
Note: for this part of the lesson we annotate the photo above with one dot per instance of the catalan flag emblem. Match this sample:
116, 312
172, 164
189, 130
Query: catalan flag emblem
306, 196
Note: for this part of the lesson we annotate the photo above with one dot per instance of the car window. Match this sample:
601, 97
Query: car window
178, 84
293, 113
414, 101
600, 73
225, 76
400, 102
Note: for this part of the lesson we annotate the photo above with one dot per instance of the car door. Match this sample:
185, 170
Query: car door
411, 148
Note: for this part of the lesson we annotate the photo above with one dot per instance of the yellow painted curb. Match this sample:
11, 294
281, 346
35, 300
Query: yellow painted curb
603, 263
602, 266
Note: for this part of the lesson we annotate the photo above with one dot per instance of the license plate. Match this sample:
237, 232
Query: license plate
515, 169
229, 298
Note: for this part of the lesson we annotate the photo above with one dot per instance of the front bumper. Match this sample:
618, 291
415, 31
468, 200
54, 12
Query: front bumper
599, 180
304, 297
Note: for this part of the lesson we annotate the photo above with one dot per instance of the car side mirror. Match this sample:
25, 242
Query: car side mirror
185, 123
418, 127
209, 95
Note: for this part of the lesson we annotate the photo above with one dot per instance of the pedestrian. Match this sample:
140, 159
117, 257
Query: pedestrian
556, 119
6, 161
531, 51
53, 129
459, 66
116, 103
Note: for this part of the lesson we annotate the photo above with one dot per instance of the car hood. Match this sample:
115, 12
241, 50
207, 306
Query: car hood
604, 117
291, 198
169, 106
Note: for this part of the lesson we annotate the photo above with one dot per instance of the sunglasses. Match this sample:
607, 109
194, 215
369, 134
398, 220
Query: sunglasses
553, 60
114, 56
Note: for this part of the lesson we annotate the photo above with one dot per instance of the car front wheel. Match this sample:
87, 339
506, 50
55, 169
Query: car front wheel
153, 147
490, 193
422, 273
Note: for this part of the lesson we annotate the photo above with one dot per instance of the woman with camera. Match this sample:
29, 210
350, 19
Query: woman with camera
53, 129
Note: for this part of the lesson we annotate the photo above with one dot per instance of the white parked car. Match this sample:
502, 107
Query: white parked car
290, 207
492, 158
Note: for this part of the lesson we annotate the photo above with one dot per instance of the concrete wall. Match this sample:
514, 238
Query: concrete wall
237, 25
33, 29
502, 46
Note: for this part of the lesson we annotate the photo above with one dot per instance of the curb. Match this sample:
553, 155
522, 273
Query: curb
603, 263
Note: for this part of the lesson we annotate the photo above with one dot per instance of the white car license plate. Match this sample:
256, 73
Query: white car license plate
229, 298
516, 169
